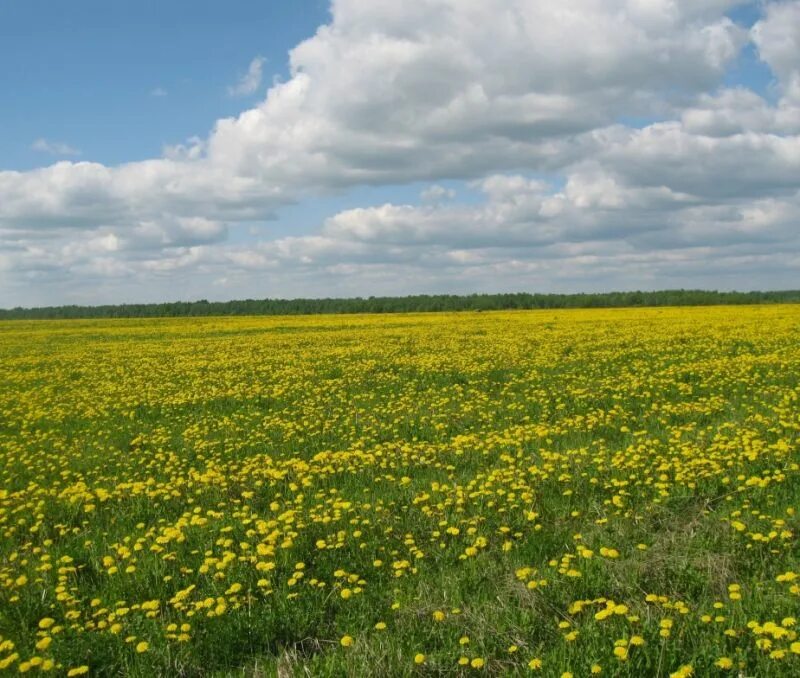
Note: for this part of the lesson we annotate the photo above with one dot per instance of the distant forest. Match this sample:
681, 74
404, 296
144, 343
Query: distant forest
410, 304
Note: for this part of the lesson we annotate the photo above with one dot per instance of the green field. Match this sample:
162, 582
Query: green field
536, 493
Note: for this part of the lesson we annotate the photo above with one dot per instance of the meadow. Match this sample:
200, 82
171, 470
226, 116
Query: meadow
554, 493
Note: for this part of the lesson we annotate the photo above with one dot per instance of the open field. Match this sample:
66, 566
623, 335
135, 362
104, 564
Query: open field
478, 493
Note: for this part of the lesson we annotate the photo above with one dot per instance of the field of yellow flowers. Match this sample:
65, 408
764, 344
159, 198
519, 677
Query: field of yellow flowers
554, 493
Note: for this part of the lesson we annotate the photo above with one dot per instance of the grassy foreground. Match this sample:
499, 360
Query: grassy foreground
541, 493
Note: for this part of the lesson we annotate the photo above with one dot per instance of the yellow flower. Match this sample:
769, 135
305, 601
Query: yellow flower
535, 664
477, 663
8, 661
724, 662
143, 646
596, 668
438, 616
46, 623
346, 641
419, 658
78, 671
380, 626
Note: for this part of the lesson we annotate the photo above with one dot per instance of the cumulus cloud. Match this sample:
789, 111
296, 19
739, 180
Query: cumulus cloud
54, 147
442, 88
439, 90
249, 82
777, 37
437, 193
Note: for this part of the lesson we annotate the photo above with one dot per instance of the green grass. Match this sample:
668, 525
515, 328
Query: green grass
218, 444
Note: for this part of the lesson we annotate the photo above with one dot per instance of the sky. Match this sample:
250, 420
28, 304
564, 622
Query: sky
160, 151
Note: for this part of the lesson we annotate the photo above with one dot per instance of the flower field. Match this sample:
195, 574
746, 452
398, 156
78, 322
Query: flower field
554, 493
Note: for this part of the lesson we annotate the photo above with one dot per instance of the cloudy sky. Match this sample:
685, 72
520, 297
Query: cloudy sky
199, 149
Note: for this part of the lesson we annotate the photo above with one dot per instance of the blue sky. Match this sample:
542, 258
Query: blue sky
119, 81
84, 71
113, 84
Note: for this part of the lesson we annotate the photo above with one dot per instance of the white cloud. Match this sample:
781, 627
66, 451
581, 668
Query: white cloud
158, 92
436, 193
54, 147
441, 88
777, 37
249, 82
739, 111
437, 90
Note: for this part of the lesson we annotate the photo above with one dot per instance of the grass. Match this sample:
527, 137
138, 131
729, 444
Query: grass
532, 493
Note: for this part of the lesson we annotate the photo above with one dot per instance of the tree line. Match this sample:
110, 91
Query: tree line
409, 304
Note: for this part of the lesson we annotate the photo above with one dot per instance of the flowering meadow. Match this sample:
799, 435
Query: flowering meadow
544, 493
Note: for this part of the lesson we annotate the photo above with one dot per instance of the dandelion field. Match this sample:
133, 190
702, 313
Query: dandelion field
545, 493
